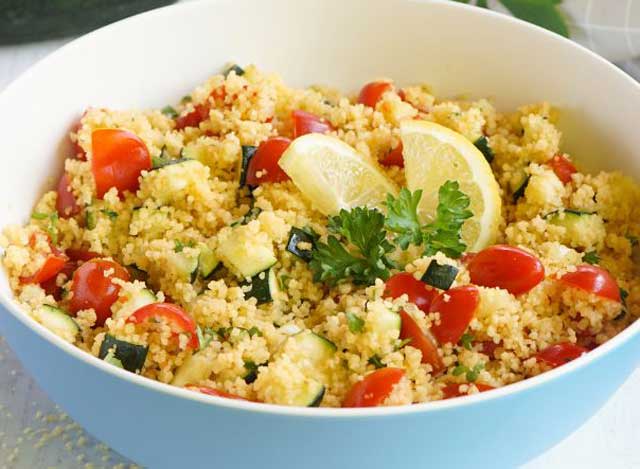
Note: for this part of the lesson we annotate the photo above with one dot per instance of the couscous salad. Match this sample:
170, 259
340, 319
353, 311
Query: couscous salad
303, 247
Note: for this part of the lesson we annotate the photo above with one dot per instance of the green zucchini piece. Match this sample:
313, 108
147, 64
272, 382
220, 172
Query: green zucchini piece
482, 144
519, 192
164, 159
185, 263
385, 321
132, 356
242, 254
264, 286
142, 298
57, 321
296, 236
316, 348
575, 222
207, 261
247, 153
440, 276
111, 358
194, 369
90, 220
234, 68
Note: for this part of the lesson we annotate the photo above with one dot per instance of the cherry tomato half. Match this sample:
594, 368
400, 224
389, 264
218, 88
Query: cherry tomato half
506, 267
213, 392
453, 390
419, 293
77, 151
52, 265
265, 160
372, 92
559, 354
593, 279
394, 157
456, 307
192, 119
374, 388
422, 341
306, 123
92, 287
177, 318
51, 287
66, 204
562, 167
118, 159
81, 254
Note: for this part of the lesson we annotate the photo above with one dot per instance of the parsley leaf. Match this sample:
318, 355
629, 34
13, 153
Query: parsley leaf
357, 250
402, 217
170, 112
467, 340
441, 235
377, 362
52, 226
591, 257
355, 322
470, 373
205, 336
254, 331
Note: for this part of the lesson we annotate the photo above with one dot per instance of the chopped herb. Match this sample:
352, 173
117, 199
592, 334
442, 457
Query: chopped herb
402, 343
283, 281
355, 322
52, 226
467, 340
90, 219
632, 239
470, 373
624, 294
458, 370
482, 144
39, 216
186, 99
205, 336
356, 250
441, 235
254, 331
224, 332
376, 361
519, 192
179, 245
591, 257
252, 371
239, 71
170, 112
110, 213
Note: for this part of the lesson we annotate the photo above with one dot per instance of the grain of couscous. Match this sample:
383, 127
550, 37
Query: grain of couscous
302, 247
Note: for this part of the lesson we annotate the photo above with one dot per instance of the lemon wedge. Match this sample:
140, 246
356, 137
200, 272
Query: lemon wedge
434, 154
333, 175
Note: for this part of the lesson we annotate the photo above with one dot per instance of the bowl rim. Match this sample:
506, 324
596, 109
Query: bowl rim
529, 384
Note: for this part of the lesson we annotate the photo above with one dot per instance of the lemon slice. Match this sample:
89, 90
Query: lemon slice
434, 154
333, 176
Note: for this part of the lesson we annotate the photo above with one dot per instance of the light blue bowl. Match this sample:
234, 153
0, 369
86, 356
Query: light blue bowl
155, 58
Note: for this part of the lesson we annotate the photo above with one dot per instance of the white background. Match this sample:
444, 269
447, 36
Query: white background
611, 439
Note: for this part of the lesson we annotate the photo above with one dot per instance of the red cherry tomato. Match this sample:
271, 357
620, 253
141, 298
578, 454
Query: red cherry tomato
118, 159
177, 318
192, 119
265, 160
81, 254
562, 167
488, 347
306, 123
92, 287
77, 151
456, 307
372, 92
66, 204
394, 157
374, 388
51, 287
453, 390
559, 354
506, 267
593, 279
53, 264
213, 392
422, 341
419, 293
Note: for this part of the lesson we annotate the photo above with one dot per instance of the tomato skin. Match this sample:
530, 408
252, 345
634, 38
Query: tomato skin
562, 167
213, 392
374, 388
81, 254
422, 341
192, 119
50, 286
394, 157
66, 204
506, 267
559, 354
372, 92
118, 159
77, 151
419, 293
266, 159
91, 289
179, 320
53, 264
307, 123
593, 279
452, 390
456, 307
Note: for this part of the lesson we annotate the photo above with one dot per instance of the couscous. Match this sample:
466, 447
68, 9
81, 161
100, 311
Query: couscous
303, 247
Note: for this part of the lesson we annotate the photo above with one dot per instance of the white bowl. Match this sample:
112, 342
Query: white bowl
155, 58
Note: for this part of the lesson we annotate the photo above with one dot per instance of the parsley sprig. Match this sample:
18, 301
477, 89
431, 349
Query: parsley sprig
443, 234
357, 248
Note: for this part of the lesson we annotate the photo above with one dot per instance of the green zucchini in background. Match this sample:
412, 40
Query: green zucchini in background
36, 20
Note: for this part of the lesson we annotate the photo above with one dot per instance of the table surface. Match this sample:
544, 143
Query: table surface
34, 433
